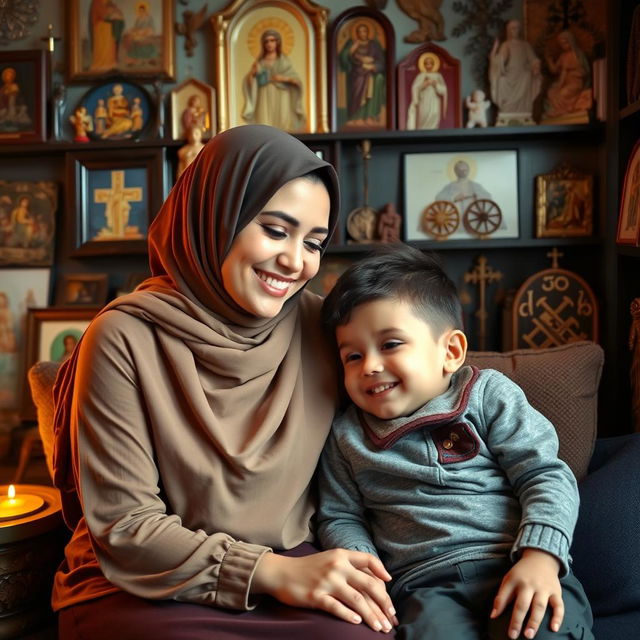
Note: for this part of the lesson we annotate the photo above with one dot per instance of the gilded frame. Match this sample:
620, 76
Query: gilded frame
180, 97
120, 59
629, 219
46, 329
303, 28
381, 33
139, 172
564, 203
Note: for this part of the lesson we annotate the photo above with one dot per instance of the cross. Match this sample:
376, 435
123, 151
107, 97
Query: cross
554, 254
50, 39
482, 275
117, 199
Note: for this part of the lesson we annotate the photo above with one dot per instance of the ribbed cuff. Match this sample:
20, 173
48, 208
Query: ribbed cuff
236, 572
549, 539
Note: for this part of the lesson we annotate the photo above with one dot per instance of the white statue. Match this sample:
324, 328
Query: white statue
477, 107
514, 74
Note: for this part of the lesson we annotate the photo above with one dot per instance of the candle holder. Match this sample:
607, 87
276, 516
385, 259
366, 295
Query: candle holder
31, 547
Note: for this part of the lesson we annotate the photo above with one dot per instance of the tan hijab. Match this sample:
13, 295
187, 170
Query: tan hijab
251, 381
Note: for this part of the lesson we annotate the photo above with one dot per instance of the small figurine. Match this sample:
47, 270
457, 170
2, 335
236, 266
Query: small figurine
100, 117
187, 153
389, 224
477, 106
82, 123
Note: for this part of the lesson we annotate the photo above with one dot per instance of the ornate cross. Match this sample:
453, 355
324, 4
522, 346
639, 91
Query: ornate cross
117, 199
555, 255
482, 275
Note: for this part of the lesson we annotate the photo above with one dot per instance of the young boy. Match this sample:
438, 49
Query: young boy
443, 471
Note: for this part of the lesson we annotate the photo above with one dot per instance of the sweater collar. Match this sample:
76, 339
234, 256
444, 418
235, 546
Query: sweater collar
444, 408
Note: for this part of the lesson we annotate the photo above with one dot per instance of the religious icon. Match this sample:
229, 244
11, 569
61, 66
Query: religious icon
115, 198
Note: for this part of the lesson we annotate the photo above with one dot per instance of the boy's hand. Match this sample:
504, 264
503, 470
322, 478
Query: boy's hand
532, 584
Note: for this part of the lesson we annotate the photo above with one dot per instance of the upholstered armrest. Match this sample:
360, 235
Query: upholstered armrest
41, 377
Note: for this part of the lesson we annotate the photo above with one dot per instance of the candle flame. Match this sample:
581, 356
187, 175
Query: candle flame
11, 492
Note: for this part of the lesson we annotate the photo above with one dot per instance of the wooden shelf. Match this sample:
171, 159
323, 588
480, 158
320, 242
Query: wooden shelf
485, 245
629, 110
628, 250
62, 146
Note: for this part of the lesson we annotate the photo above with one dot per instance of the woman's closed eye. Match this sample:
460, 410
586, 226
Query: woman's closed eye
278, 233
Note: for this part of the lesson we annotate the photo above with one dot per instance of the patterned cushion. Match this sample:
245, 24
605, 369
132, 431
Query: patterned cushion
561, 383
41, 376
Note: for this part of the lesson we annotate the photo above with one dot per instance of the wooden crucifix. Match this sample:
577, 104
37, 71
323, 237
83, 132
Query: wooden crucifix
482, 275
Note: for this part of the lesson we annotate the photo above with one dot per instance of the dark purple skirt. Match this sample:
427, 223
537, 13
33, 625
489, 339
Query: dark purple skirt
126, 617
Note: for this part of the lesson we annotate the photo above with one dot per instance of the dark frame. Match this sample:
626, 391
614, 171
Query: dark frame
407, 71
78, 167
342, 21
75, 57
37, 317
34, 94
97, 284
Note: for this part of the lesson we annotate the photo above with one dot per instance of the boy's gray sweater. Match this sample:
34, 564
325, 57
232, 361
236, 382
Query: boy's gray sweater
473, 474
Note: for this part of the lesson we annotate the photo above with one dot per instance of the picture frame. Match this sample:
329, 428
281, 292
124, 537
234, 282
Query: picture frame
193, 103
27, 222
142, 46
564, 203
51, 334
244, 92
20, 290
82, 290
431, 179
118, 110
429, 95
628, 231
113, 197
352, 109
23, 96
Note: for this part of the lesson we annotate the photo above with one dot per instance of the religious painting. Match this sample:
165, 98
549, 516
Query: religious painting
564, 203
23, 96
461, 195
193, 105
20, 290
51, 335
115, 110
362, 71
82, 290
429, 89
131, 38
114, 199
270, 60
554, 307
566, 37
27, 222
629, 218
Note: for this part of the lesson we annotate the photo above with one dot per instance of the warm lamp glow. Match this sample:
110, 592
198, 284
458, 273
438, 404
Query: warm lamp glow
19, 506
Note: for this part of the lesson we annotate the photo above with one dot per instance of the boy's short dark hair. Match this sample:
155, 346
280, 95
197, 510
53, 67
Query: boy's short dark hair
396, 272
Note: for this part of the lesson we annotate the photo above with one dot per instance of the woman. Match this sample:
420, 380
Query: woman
187, 452
570, 93
273, 89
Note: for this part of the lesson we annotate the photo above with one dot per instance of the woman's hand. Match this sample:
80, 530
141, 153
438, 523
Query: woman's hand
348, 584
533, 585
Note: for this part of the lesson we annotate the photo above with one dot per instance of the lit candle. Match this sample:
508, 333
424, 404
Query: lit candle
20, 506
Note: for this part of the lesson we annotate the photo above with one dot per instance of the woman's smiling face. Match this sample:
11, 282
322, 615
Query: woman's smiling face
278, 252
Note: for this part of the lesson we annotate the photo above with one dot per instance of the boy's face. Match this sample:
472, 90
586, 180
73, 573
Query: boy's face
392, 362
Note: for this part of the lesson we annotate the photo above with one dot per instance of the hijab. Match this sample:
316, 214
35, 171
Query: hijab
264, 372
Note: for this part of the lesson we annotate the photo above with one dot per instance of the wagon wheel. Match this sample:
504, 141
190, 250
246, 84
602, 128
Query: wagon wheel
482, 217
440, 219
